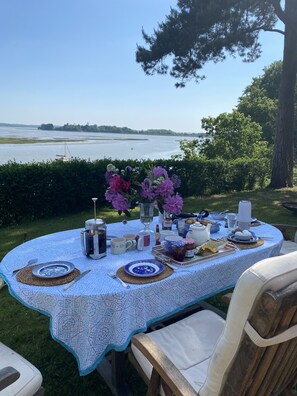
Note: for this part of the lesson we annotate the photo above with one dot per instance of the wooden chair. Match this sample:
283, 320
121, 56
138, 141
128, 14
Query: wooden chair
2, 284
290, 237
253, 352
17, 375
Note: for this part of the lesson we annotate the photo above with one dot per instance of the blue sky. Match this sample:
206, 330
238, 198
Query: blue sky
74, 61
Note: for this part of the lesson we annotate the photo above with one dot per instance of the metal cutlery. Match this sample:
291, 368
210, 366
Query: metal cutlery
165, 260
114, 276
30, 262
224, 211
66, 287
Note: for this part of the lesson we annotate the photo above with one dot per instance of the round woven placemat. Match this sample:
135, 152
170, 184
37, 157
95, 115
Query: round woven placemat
25, 276
260, 242
141, 281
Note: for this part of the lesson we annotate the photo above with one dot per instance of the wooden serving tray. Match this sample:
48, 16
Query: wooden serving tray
160, 254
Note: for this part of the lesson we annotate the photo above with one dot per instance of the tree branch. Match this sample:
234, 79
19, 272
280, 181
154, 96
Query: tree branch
274, 30
279, 11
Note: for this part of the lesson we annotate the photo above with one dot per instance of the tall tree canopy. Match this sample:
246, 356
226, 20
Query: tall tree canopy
200, 31
229, 136
260, 99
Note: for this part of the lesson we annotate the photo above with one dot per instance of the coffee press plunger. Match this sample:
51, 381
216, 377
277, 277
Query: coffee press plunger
93, 238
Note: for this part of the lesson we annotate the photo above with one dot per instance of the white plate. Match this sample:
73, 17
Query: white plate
144, 268
232, 238
53, 269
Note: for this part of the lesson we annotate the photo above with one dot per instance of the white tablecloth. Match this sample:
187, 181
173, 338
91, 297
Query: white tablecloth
97, 313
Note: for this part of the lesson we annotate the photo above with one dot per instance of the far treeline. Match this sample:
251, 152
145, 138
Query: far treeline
113, 129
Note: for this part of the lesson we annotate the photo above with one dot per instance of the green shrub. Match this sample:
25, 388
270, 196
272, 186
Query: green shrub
37, 190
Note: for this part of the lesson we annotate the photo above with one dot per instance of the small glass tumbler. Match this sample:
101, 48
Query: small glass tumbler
231, 221
181, 224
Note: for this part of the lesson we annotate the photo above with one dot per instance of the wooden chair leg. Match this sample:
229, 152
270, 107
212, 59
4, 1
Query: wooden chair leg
154, 385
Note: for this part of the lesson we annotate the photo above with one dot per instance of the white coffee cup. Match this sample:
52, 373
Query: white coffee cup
120, 245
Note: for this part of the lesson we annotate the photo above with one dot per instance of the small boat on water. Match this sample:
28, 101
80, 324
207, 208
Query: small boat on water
66, 157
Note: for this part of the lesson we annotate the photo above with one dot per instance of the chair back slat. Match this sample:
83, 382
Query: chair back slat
266, 371
285, 361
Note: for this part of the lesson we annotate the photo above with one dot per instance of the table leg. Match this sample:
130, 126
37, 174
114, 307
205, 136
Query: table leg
112, 372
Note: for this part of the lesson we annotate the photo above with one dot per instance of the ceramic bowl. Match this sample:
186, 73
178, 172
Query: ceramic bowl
215, 227
169, 240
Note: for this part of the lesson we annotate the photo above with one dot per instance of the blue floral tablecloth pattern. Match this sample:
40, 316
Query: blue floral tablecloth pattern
97, 313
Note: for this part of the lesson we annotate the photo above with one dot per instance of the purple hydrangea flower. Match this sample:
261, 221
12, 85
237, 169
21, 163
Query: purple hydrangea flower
120, 203
159, 172
108, 176
173, 204
165, 189
176, 181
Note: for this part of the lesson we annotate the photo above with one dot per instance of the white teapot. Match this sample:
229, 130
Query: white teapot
199, 232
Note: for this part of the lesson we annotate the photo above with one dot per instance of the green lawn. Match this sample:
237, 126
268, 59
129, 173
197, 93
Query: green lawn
27, 331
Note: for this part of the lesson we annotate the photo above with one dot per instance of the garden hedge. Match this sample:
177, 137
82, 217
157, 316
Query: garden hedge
37, 190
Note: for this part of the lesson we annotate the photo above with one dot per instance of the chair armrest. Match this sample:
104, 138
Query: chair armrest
163, 366
288, 230
8, 375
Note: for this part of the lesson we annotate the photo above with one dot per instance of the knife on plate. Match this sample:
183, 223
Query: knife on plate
76, 279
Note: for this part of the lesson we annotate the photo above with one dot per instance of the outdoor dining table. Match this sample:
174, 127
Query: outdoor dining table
97, 314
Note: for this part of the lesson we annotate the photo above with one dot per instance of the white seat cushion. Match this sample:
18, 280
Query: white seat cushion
270, 274
288, 247
189, 344
30, 379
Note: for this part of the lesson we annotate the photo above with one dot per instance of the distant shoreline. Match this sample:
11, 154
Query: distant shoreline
41, 141
114, 129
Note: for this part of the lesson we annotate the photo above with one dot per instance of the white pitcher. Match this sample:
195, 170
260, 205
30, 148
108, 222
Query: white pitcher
199, 232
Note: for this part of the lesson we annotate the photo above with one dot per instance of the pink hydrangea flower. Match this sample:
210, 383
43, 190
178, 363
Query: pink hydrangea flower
118, 184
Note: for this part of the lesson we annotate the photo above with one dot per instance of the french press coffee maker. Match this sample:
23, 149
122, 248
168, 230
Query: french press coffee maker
93, 237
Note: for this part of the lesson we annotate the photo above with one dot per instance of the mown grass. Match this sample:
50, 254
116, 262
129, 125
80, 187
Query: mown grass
27, 331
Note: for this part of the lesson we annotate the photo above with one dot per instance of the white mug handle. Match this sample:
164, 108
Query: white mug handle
129, 243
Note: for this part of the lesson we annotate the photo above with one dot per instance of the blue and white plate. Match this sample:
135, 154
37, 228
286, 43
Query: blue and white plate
144, 268
53, 269
232, 238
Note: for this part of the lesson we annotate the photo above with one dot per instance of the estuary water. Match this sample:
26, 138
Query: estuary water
85, 145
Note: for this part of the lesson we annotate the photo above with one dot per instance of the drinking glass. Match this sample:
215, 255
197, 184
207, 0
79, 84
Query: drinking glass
146, 217
146, 214
231, 221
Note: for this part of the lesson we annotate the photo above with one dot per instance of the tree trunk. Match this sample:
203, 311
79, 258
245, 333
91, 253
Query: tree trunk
283, 155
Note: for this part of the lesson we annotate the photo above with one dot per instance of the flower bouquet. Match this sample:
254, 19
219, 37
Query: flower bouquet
125, 190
